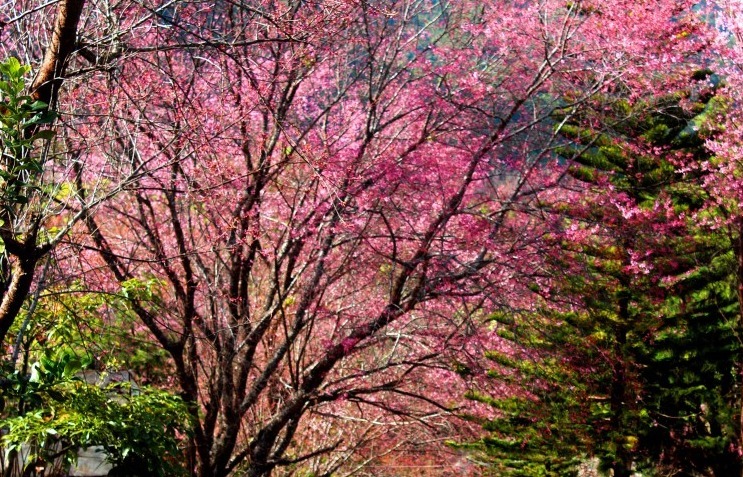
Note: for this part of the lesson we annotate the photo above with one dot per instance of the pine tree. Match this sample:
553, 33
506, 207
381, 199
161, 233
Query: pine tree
632, 358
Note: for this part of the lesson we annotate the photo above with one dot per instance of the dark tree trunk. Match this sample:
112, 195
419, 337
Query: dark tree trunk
622, 465
739, 284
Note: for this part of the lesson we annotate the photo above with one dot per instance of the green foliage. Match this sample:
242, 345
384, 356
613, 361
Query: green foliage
48, 405
101, 326
690, 369
20, 121
553, 426
677, 342
62, 413
646, 372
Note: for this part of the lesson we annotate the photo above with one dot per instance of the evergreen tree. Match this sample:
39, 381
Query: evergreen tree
632, 357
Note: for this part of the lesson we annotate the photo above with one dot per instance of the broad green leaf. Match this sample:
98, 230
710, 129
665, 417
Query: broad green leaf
45, 134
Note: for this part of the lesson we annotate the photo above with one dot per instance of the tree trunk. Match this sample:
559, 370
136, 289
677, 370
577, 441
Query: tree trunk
622, 465
64, 39
739, 284
23, 252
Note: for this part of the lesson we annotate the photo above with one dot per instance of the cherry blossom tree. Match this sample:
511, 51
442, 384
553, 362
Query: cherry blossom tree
311, 205
25, 205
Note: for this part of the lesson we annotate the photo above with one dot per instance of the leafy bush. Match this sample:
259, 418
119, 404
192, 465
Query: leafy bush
61, 413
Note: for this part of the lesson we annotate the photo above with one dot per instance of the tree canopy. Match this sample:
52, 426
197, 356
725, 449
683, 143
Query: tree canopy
322, 224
